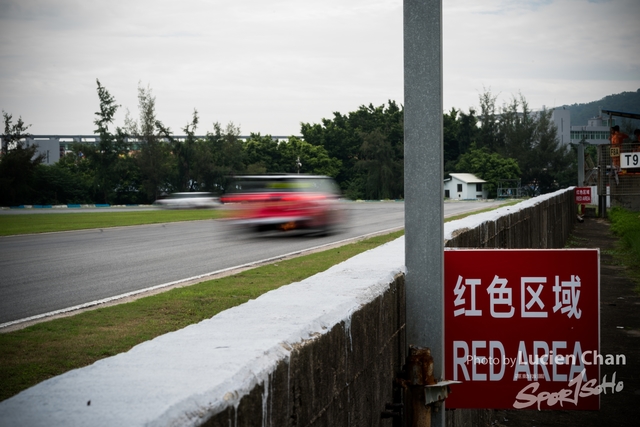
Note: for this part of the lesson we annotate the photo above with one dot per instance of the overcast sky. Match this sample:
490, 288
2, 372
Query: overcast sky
269, 65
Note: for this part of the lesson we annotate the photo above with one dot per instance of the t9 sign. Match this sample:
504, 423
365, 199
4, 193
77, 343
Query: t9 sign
629, 160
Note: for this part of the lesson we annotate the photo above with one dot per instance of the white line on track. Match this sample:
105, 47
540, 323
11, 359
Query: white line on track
190, 280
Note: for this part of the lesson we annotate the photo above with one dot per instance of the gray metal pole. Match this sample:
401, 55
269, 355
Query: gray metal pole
581, 163
424, 197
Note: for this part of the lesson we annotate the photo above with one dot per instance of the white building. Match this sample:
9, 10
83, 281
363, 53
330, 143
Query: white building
562, 120
597, 130
49, 148
465, 186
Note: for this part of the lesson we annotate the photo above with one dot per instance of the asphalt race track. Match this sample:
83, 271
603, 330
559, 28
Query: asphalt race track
45, 273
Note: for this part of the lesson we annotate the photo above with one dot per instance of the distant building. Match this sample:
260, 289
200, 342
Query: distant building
561, 117
465, 186
597, 130
53, 147
50, 149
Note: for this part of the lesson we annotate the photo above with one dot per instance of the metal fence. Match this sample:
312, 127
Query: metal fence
619, 170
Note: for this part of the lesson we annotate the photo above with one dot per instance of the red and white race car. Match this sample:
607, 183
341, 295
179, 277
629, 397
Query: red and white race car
284, 202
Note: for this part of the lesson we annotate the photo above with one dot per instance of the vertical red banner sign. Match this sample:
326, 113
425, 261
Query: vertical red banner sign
522, 328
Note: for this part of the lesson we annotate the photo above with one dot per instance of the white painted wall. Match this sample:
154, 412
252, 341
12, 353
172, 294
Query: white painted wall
468, 188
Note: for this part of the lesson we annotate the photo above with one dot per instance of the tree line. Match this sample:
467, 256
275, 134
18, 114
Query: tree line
143, 159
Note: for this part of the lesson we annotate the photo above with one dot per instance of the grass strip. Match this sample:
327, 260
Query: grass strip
11, 224
625, 224
36, 353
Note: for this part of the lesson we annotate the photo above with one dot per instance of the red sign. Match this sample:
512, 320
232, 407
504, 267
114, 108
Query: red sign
583, 195
522, 328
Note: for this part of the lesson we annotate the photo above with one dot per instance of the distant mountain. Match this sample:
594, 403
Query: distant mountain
628, 102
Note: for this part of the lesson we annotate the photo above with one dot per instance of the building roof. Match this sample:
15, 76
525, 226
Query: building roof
622, 114
468, 178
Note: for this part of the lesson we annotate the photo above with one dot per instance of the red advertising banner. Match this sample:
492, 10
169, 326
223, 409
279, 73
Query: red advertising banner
522, 329
582, 195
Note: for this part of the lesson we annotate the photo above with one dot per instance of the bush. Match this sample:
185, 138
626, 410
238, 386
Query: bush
626, 225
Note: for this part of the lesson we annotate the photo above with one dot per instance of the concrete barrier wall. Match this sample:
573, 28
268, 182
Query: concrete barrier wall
321, 352
342, 378
543, 222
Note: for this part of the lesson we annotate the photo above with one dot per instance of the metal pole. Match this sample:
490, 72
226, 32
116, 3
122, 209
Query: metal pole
424, 197
581, 163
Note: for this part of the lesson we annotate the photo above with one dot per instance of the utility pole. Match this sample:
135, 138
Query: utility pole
424, 198
581, 163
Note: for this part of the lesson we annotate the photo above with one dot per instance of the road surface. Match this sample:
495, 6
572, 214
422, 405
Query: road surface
41, 274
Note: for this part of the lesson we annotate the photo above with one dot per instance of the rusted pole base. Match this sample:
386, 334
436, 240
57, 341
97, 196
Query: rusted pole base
420, 413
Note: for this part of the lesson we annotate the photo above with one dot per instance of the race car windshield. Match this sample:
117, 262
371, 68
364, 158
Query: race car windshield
287, 185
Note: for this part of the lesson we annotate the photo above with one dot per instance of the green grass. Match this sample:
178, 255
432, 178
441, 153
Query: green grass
576, 242
31, 355
11, 224
41, 351
625, 225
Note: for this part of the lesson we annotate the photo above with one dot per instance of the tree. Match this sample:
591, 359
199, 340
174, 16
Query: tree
153, 156
62, 183
109, 158
467, 130
183, 154
294, 155
262, 155
550, 165
14, 134
516, 129
450, 132
460, 131
297, 155
488, 133
18, 164
492, 167
383, 172
530, 139
226, 156
342, 137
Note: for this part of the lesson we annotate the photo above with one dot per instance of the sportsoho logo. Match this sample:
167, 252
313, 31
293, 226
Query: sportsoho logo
578, 386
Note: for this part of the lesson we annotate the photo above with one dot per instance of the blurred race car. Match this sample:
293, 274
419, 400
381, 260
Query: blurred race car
189, 200
284, 202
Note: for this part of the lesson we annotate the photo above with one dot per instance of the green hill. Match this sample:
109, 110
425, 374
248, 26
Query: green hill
626, 101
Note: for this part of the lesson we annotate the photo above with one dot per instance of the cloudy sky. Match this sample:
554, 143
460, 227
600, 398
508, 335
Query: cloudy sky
268, 65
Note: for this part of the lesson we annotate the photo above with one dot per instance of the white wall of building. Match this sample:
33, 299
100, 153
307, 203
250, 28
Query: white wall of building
49, 148
464, 186
562, 119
